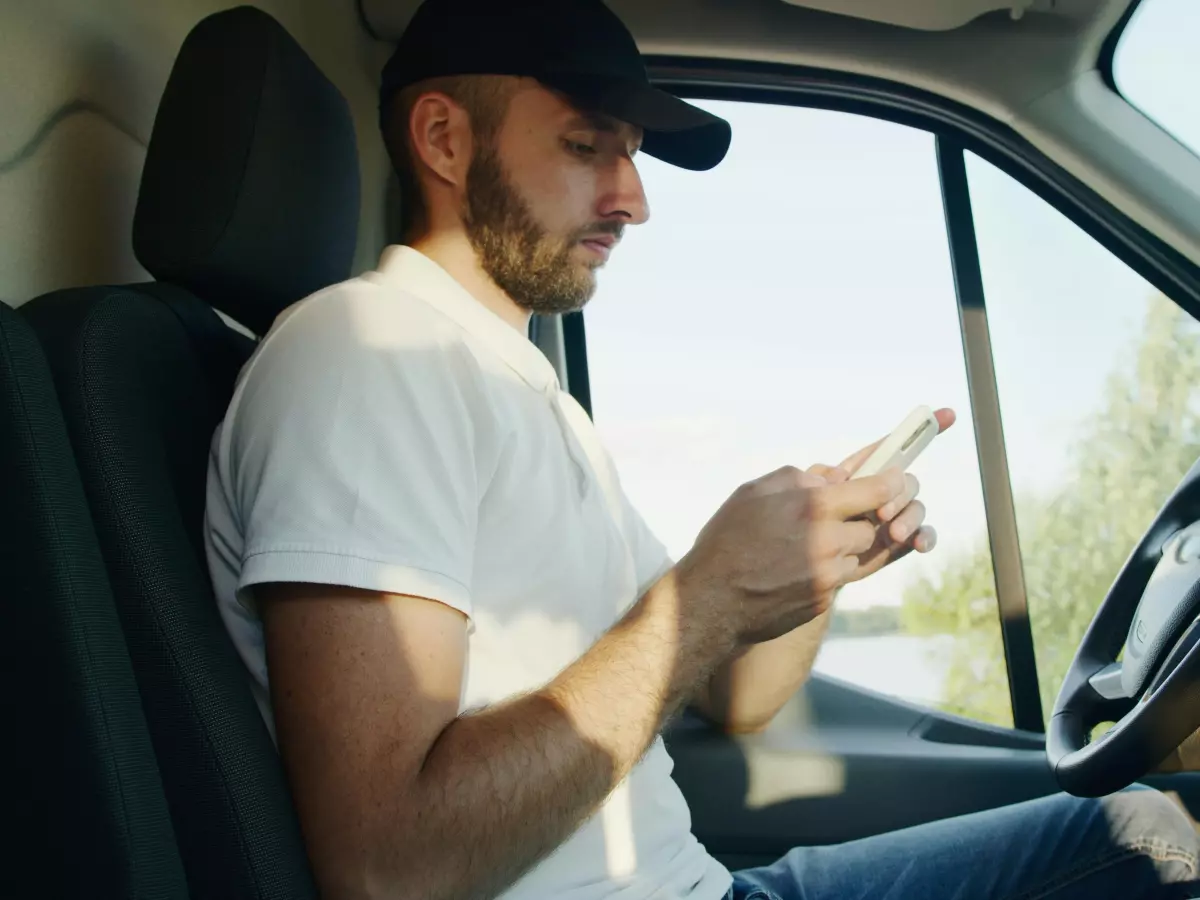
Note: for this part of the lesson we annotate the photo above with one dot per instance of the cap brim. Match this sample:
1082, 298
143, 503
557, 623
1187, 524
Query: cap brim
674, 130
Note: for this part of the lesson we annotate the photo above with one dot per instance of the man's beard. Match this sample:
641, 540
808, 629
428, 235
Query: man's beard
536, 269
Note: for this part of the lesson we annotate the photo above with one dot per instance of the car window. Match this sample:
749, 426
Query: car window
1156, 68
789, 307
1098, 378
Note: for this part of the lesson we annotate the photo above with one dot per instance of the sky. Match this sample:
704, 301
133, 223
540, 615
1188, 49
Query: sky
796, 302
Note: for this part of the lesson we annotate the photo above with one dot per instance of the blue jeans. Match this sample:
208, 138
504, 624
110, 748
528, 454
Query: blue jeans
1132, 845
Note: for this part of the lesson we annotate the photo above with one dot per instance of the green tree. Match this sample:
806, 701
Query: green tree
1125, 460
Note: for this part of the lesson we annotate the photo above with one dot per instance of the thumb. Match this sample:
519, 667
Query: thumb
852, 463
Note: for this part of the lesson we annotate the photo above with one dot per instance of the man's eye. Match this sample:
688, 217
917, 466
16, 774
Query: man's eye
581, 149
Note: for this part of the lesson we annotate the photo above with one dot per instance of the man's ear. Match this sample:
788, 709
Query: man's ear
440, 137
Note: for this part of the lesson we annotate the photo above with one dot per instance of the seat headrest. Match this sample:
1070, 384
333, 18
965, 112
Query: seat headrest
250, 192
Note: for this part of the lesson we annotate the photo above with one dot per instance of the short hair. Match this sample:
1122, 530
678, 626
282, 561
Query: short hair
484, 97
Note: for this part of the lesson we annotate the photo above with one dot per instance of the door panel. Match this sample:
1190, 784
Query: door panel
841, 763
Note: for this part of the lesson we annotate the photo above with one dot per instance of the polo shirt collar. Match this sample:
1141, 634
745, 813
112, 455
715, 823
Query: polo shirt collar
412, 271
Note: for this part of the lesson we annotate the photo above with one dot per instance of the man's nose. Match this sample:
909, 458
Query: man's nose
626, 197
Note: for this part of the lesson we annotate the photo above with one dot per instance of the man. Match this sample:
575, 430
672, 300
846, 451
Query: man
472, 638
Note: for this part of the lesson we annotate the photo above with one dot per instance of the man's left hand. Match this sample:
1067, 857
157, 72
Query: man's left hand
902, 527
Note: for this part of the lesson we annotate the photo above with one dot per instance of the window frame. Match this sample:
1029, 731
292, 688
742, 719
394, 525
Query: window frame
956, 129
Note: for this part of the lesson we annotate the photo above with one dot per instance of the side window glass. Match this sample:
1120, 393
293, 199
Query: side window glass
789, 307
1097, 376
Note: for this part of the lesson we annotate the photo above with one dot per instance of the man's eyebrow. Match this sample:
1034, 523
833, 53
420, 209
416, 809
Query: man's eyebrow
602, 123
595, 121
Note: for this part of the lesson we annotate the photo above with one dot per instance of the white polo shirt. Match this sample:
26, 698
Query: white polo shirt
391, 433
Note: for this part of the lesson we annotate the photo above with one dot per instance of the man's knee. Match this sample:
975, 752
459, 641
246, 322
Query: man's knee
1140, 816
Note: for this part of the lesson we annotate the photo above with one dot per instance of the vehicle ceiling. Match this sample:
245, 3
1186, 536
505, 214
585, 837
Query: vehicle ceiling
996, 56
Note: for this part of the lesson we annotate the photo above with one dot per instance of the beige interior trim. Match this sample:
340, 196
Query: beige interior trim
931, 15
80, 82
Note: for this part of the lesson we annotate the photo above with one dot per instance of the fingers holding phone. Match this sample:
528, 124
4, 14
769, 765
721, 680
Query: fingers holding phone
902, 520
906, 442
771, 556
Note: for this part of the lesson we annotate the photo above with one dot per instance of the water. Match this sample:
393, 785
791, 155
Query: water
900, 665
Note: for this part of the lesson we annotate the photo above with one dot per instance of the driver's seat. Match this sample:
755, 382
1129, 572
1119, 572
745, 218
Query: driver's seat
248, 202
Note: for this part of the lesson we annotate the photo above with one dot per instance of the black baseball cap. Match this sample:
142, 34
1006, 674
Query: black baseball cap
577, 47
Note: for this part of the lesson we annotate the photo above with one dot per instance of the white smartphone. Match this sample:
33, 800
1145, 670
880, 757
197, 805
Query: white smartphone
904, 444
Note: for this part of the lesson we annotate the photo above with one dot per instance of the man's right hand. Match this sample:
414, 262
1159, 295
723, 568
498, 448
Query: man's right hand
772, 556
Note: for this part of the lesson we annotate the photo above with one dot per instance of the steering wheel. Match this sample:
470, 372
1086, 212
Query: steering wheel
1153, 693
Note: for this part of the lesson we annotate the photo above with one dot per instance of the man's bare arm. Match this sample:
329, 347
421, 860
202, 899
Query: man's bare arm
398, 795
748, 689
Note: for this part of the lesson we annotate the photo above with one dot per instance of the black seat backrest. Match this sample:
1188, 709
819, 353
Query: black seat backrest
84, 802
249, 201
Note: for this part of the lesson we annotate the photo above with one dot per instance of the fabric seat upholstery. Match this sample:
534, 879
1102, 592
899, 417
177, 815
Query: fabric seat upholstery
84, 798
249, 201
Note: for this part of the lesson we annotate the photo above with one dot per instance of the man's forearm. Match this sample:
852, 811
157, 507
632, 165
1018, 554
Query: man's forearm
745, 691
503, 787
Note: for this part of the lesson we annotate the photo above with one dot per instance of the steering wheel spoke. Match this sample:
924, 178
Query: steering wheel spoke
1109, 682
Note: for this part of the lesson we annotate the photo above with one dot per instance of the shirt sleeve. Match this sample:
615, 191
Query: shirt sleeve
351, 451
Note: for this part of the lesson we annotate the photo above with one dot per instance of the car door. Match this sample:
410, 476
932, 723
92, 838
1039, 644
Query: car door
863, 249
